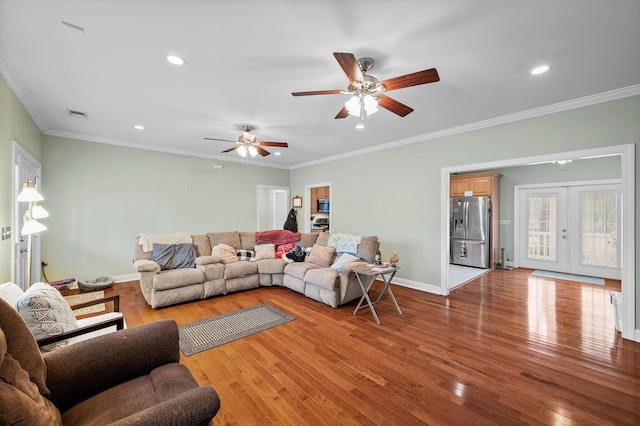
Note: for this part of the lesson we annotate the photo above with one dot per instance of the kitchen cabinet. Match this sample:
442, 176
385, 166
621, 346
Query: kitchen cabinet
319, 192
482, 184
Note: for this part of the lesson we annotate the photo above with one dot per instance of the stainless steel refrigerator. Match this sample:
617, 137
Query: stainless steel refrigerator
469, 224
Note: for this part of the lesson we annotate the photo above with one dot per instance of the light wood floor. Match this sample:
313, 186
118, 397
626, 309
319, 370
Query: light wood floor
507, 348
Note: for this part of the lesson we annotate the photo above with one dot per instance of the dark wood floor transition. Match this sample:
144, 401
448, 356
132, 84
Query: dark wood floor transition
507, 348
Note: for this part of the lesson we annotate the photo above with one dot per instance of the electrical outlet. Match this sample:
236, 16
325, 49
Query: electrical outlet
6, 232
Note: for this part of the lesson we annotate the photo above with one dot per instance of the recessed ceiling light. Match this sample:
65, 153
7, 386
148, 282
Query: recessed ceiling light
138, 127
176, 60
540, 70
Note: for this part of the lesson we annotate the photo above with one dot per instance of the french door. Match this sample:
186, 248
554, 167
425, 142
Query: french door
571, 229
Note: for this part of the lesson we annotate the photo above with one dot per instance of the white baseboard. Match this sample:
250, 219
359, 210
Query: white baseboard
128, 277
429, 288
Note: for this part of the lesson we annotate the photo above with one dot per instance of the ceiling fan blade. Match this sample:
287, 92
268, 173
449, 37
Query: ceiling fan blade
413, 79
317, 92
344, 113
262, 151
280, 144
393, 105
221, 140
231, 149
349, 65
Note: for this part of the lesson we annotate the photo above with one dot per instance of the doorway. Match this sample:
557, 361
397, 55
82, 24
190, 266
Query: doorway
26, 168
272, 207
627, 220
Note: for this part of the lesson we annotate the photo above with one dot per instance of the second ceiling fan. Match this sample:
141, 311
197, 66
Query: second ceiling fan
366, 91
247, 144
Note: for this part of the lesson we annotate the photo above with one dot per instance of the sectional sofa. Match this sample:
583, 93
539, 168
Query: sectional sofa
325, 276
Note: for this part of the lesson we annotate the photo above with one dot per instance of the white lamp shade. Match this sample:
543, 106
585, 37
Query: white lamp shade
38, 212
31, 226
242, 151
370, 105
29, 193
353, 106
253, 151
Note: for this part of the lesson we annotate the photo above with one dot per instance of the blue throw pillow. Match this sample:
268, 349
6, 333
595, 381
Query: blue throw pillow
175, 256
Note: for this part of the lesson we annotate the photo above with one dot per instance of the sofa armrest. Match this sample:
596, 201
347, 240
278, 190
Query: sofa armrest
207, 260
79, 371
348, 267
144, 265
195, 407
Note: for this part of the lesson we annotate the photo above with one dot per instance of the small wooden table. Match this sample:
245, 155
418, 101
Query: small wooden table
370, 273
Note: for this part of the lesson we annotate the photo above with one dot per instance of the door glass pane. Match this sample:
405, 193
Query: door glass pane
542, 228
599, 230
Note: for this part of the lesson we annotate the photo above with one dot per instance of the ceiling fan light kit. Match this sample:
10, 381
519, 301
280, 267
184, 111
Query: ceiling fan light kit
247, 144
366, 90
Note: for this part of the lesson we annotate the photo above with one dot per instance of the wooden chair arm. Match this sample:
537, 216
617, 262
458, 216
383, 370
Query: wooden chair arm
115, 299
118, 322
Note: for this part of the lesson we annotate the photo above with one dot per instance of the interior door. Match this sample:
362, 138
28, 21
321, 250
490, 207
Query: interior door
25, 168
572, 229
280, 212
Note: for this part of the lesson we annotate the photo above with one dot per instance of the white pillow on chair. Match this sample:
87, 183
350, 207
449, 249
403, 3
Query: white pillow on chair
45, 311
10, 293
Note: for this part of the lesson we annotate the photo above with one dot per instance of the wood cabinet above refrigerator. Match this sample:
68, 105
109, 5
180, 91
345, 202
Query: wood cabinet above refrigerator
482, 184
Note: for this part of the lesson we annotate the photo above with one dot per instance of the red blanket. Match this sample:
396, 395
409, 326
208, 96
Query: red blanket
277, 236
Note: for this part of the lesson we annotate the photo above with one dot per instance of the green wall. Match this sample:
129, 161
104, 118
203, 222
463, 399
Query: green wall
101, 197
396, 193
15, 125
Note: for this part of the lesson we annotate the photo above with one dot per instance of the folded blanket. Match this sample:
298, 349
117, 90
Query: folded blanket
344, 243
147, 240
277, 236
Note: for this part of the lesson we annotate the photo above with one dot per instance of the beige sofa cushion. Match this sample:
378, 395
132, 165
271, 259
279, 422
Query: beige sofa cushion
367, 249
247, 240
265, 251
203, 245
321, 255
240, 269
229, 238
322, 277
271, 266
174, 278
226, 253
299, 269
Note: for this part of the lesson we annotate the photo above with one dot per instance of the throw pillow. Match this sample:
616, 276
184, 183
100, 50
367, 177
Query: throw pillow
282, 249
10, 292
174, 256
265, 251
321, 255
249, 255
226, 253
344, 259
45, 311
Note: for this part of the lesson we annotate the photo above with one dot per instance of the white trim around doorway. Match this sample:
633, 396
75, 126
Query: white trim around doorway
627, 153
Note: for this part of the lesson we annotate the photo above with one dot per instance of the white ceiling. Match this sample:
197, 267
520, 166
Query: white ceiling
244, 58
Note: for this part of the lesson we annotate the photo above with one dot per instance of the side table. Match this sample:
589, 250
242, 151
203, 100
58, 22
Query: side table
369, 274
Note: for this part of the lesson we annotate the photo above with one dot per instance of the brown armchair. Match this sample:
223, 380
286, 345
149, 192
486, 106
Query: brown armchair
129, 376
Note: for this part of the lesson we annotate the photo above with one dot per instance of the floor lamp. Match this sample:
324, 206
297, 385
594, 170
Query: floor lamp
30, 223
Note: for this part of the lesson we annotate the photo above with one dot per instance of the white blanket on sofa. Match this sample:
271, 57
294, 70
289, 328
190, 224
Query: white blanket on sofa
147, 240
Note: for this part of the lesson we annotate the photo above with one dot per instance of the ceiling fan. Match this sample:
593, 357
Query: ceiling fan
247, 144
366, 91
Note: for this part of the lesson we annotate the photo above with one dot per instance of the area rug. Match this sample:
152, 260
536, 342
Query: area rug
568, 277
215, 331
74, 299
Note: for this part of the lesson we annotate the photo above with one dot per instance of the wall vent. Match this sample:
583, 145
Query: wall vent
78, 114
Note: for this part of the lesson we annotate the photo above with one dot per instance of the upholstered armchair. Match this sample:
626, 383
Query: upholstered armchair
126, 377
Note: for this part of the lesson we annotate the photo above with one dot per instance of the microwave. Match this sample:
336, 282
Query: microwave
323, 205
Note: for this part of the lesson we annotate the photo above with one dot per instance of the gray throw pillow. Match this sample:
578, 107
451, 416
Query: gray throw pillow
174, 256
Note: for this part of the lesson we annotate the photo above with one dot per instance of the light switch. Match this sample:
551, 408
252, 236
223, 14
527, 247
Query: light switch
6, 233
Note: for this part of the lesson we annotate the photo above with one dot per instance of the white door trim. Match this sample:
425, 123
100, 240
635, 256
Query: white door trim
36, 255
628, 160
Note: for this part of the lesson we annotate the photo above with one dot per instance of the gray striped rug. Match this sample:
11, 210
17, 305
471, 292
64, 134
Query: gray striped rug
215, 331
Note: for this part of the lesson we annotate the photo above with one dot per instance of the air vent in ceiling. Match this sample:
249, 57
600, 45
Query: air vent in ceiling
78, 114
